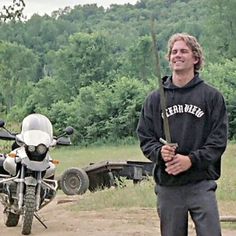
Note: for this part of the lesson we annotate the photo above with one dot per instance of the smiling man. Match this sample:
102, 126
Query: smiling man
185, 175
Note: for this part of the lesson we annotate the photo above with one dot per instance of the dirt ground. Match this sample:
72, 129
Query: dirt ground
109, 222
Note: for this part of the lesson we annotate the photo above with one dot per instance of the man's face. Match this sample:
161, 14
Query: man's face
182, 58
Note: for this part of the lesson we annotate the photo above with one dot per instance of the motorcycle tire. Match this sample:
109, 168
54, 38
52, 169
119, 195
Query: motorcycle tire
11, 219
29, 202
74, 181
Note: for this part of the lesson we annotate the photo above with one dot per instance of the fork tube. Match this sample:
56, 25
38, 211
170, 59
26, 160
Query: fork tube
21, 187
38, 190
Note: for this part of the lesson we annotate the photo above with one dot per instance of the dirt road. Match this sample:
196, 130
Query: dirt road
61, 221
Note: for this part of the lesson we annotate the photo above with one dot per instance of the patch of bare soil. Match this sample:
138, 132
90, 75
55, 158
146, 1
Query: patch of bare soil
109, 222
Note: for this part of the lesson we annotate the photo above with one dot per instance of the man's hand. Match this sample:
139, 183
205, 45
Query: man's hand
178, 164
168, 152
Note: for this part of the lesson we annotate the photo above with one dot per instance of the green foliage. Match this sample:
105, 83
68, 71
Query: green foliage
43, 95
139, 60
222, 76
221, 27
107, 112
87, 58
13, 12
18, 66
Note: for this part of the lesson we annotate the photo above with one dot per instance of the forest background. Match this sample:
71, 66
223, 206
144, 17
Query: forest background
92, 68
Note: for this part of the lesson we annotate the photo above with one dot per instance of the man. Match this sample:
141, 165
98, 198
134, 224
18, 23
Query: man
196, 112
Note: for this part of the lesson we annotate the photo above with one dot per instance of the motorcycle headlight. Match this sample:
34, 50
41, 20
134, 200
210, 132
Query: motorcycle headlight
36, 153
41, 149
31, 148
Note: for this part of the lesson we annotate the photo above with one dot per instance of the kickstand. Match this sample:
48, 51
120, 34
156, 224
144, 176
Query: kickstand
38, 218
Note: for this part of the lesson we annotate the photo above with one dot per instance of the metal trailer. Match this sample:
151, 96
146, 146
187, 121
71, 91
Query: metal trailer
104, 174
110, 173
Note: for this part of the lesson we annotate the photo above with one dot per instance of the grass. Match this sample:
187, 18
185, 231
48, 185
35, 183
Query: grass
131, 196
226, 192
81, 157
227, 182
141, 195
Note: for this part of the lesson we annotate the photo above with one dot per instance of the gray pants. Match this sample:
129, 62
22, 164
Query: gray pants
199, 200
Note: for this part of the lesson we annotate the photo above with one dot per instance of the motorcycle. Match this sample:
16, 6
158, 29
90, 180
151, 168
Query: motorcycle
27, 173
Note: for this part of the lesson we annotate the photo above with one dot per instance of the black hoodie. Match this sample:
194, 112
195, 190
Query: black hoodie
198, 124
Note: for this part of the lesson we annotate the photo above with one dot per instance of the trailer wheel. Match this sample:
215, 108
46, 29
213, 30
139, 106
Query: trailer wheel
74, 181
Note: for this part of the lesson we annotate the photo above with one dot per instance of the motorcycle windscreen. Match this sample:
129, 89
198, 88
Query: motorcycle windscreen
36, 129
35, 137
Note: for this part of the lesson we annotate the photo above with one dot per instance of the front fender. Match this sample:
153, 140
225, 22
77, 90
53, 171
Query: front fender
30, 181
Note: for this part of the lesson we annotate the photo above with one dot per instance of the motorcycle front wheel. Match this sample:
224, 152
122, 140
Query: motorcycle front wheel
29, 210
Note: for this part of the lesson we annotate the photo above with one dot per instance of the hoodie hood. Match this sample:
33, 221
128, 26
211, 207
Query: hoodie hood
168, 84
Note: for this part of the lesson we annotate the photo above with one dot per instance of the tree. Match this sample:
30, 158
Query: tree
222, 76
107, 112
18, 67
86, 59
139, 60
221, 25
13, 12
77, 64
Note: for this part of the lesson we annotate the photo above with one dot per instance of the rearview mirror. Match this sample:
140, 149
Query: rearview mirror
69, 130
2, 123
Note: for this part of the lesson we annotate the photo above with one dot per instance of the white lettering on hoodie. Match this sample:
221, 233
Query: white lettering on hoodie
186, 108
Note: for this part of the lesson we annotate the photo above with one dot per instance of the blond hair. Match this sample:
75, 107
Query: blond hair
192, 43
